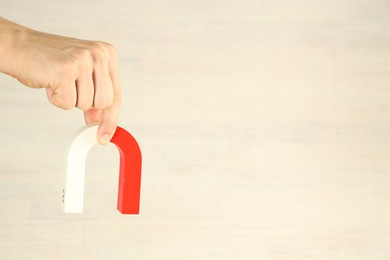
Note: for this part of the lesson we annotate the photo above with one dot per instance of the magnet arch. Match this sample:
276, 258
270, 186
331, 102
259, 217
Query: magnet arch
129, 170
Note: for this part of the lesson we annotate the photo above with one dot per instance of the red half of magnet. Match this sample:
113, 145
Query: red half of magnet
129, 189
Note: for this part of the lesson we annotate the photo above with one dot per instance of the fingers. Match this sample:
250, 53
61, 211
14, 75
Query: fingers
86, 77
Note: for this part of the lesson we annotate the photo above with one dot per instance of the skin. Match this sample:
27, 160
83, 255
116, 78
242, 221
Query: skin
75, 73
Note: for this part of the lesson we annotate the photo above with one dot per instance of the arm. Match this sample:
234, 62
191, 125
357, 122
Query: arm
75, 73
9, 34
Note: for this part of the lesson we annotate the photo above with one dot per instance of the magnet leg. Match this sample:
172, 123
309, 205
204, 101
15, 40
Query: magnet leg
129, 172
73, 193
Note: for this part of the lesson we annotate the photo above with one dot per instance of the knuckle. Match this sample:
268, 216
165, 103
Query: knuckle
111, 48
83, 59
98, 52
101, 51
97, 45
112, 52
82, 54
105, 46
79, 58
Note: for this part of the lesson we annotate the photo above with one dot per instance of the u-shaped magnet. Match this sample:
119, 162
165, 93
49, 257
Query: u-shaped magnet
129, 170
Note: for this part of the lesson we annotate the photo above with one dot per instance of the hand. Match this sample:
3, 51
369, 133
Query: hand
75, 73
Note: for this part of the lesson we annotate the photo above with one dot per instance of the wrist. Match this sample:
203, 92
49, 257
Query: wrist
11, 37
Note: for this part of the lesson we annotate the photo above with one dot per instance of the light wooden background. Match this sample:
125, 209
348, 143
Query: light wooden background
264, 126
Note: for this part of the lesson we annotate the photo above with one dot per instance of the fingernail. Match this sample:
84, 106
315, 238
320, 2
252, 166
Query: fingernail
104, 139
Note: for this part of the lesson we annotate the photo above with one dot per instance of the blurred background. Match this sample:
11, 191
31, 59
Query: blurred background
264, 128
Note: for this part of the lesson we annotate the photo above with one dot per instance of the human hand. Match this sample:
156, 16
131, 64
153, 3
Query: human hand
75, 73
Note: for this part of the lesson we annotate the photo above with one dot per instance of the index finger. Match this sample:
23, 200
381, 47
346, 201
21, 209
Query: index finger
110, 115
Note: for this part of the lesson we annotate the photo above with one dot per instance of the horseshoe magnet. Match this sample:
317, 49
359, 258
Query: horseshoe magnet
129, 170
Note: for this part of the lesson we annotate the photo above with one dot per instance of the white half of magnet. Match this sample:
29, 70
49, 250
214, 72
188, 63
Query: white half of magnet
73, 192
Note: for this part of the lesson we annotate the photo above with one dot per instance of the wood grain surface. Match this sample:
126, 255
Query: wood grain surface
264, 127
